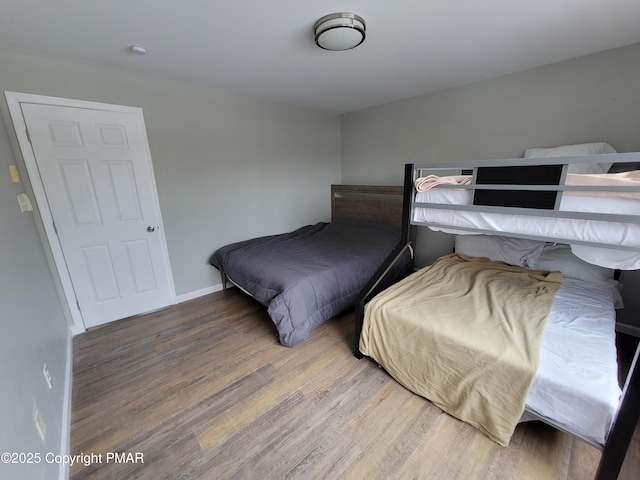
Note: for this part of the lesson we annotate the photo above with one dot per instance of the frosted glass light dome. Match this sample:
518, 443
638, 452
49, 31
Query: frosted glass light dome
339, 31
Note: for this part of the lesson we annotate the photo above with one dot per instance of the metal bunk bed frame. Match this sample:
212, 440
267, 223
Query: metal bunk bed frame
626, 419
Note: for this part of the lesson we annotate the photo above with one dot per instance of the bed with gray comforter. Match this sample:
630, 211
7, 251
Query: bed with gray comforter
311, 274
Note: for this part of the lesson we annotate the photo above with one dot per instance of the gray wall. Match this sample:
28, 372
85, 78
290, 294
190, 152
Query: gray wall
33, 332
588, 99
226, 165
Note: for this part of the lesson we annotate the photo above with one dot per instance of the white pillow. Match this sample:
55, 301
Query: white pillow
560, 258
514, 251
607, 257
573, 151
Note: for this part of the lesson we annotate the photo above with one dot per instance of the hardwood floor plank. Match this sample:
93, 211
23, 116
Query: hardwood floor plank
244, 411
256, 441
546, 442
307, 447
631, 467
222, 361
373, 420
436, 438
330, 458
202, 392
205, 391
384, 455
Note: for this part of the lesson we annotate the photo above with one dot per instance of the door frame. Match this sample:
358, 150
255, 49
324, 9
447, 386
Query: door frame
46, 229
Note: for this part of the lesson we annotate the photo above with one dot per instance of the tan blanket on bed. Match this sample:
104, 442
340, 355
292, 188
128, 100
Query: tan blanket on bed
623, 179
423, 184
466, 334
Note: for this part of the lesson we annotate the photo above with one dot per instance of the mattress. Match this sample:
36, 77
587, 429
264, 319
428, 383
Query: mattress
565, 230
454, 332
311, 274
576, 384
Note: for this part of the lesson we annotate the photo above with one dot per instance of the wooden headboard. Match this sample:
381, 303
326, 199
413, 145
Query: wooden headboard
375, 203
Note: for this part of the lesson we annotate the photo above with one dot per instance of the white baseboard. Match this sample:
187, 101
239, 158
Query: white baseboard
198, 293
65, 434
76, 330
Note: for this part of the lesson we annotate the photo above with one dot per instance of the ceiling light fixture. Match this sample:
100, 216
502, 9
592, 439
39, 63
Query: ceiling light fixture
339, 31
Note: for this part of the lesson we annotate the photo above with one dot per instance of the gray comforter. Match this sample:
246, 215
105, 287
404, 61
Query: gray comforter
309, 275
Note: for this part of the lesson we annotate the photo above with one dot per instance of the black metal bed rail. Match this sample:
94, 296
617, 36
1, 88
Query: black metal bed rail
370, 289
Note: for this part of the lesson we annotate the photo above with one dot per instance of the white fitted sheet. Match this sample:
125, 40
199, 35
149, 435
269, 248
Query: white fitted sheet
576, 384
566, 229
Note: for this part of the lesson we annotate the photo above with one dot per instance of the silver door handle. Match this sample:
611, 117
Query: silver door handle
151, 228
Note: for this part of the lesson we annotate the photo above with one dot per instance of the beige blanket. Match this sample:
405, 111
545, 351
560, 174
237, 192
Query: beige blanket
466, 334
623, 179
423, 184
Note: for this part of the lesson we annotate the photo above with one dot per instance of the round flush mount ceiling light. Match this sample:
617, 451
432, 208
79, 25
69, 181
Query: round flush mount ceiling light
339, 31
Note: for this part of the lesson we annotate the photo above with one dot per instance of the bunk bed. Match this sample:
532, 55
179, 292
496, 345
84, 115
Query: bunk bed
315, 272
539, 212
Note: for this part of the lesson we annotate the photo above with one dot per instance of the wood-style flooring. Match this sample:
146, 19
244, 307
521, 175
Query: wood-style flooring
203, 390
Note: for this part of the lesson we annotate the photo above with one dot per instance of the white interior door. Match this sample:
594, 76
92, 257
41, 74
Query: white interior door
95, 169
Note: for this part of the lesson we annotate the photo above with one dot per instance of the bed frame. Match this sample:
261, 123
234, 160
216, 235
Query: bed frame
374, 203
624, 423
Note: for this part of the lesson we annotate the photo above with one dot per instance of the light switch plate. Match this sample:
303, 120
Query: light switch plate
15, 176
24, 202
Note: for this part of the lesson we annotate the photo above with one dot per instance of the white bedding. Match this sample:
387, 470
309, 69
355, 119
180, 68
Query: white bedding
558, 228
576, 383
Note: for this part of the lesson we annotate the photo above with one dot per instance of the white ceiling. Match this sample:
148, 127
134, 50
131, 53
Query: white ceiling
265, 47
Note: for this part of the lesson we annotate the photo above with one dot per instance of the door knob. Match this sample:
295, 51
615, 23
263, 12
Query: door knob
151, 228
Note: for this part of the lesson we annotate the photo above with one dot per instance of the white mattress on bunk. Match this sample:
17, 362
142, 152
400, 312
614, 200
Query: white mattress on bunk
576, 384
561, 228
